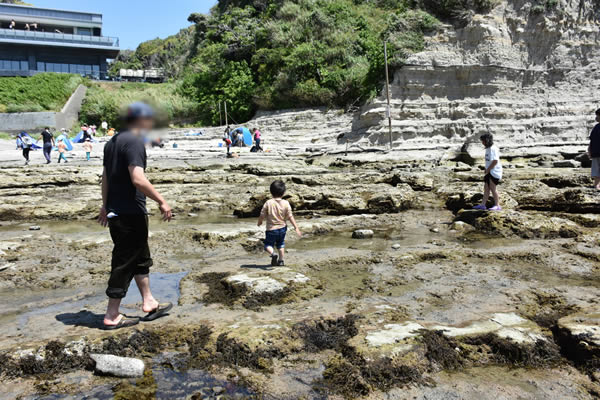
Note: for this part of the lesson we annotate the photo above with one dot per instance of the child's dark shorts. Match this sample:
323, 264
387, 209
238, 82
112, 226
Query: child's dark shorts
276, 238
489, 178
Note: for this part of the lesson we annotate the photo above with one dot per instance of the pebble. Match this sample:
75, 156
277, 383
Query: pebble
34, 228
434, 230
218, 389
363, 234
192, 215
121, 367
396, 246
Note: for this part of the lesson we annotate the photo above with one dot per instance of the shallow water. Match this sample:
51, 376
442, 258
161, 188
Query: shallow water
170, 384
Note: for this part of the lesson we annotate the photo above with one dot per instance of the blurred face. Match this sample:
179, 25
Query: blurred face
143, 124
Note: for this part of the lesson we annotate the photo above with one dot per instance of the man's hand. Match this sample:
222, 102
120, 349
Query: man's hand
102, 218
298, 232
166, 212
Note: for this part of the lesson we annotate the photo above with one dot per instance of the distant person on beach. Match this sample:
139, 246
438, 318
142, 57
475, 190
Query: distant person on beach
227, 141
48, 139
276, 212
124, 191
12, 25
87, 146
62, 150
493, 173
594, 151
257, 136
25, 143
86, 132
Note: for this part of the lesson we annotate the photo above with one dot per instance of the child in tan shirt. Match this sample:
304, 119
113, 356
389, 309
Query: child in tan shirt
87, 146
276, 212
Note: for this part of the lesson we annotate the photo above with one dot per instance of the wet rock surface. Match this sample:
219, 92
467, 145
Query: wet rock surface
121, 367
502, 300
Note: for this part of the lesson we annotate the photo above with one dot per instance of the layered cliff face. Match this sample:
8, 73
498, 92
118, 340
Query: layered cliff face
528, 75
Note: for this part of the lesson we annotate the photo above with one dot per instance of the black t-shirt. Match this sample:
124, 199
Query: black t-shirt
595, 141
123, 150
47, 136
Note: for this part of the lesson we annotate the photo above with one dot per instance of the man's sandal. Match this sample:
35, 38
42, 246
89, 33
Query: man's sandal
160, 311
125, 322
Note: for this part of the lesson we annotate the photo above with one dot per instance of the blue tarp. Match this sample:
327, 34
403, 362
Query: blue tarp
66, 140
247, 135
34, 145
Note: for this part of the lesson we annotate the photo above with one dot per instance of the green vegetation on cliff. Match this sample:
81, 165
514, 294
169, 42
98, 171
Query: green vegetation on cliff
106, 101
260, 54
42, 92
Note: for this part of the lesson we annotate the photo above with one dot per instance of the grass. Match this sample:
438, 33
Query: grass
106, 101
42, 92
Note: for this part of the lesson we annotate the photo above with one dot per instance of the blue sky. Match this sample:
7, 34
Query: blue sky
134, 21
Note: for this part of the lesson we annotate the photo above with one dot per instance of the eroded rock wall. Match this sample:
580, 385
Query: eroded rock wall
530, 78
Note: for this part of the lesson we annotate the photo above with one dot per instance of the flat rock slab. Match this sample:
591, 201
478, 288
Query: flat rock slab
583, 326
121, 367
505, 325
265, 283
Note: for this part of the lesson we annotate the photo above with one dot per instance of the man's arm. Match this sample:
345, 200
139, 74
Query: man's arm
102, 218
139, 180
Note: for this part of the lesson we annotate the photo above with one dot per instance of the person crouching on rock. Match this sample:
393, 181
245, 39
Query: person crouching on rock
124, 191
594, 151
493, 173
277, 212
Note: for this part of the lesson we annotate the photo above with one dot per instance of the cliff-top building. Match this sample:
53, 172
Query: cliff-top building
34, 40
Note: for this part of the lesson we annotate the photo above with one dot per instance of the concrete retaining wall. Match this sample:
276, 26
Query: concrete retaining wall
32, 121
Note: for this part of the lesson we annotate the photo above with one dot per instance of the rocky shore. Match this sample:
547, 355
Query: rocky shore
431, 300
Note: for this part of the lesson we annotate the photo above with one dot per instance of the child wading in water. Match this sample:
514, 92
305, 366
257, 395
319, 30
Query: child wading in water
493, 173
87, 146
276, 212
62, 151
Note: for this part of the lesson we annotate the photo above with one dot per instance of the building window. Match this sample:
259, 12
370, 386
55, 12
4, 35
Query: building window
84, 31
41, 66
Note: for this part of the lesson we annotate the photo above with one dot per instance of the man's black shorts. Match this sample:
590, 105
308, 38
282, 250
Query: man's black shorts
131, 254
489, 178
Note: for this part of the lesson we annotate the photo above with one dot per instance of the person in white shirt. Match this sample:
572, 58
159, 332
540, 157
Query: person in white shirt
493, 173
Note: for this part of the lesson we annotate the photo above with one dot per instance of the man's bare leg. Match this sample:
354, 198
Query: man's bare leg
281, 253
113, 316
597, 182
143, 284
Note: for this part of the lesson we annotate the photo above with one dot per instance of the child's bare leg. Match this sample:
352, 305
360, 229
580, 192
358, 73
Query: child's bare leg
281, 253
269, 250
486, 194
495, 194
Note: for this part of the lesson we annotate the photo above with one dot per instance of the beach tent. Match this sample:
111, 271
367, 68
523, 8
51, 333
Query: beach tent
20, 143
246, 133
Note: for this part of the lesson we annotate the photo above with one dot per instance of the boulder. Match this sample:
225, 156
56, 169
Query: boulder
121, 367
566, 164
363, 234
584, 159
514, 223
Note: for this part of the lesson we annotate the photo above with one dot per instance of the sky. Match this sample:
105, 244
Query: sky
135, 21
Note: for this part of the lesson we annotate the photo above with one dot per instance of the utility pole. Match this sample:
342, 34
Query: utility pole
226, 123
220, 115
388, 110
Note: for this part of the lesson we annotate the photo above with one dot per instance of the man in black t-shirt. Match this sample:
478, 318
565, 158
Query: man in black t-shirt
48, 140
124, 191
594, 151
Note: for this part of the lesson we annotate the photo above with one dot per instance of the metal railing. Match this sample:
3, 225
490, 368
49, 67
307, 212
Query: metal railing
33, 12
16, 34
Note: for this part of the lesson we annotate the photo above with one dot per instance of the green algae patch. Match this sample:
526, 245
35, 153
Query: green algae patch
144, 388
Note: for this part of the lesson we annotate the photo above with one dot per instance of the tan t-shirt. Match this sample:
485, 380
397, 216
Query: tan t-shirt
276, 212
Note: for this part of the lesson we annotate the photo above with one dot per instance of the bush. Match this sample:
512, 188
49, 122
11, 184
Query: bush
107, 101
